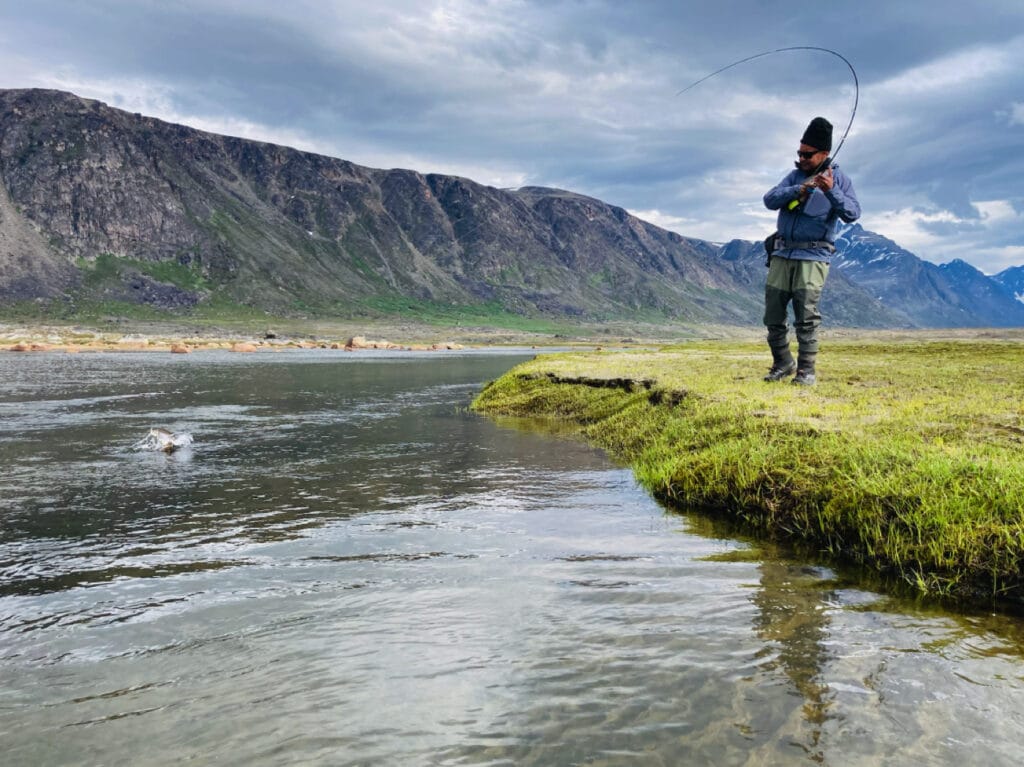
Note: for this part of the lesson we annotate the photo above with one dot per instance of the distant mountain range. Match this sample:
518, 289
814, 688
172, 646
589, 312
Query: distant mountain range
101, 207
951, 295
1012, 282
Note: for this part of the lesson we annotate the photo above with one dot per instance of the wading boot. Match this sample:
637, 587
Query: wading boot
783, 366
805, 372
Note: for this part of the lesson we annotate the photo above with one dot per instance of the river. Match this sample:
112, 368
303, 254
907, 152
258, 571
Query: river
348, 568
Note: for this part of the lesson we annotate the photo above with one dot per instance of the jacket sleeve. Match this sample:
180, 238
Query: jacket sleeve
783, 193
844, 199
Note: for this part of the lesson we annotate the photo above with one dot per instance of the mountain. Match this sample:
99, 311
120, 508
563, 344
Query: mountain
1012, 281
924, 294
106, 206
101, 207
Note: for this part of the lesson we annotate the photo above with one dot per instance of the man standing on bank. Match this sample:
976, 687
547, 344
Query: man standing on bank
810, 201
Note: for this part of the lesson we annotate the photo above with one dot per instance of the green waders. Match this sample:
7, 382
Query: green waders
801, 282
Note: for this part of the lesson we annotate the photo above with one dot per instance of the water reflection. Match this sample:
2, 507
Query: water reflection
792, 604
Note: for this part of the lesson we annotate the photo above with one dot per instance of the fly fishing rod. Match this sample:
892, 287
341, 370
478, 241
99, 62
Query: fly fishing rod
856, 85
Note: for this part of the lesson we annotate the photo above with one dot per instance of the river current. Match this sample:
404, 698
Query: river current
348, 568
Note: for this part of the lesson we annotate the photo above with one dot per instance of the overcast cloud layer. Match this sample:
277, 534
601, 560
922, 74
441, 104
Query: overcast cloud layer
583, 95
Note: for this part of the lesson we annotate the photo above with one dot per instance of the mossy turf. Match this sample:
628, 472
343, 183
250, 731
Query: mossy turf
907, 456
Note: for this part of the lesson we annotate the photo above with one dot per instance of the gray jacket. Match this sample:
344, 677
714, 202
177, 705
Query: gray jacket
817, 218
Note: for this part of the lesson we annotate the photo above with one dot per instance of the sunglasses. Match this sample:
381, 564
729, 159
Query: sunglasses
808, 155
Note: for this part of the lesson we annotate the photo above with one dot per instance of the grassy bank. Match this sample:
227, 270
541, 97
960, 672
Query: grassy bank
908, 456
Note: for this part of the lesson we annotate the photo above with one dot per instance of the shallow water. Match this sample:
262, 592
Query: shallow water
347, 568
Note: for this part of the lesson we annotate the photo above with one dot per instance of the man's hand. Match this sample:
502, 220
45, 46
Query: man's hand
822, 181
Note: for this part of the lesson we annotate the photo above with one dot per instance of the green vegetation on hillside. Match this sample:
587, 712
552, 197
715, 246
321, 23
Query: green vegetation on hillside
107, 268
490, 314
907, 457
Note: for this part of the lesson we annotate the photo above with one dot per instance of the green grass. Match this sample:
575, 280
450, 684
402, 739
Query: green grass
107, 268
441, 314
908, 457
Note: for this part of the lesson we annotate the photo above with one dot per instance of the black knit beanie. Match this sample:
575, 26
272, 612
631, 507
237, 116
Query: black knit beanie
818, 134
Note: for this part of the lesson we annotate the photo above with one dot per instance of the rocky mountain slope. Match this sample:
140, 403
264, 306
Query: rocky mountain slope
100, 206
131, 209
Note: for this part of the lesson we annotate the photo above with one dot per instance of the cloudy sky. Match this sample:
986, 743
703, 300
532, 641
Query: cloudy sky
582, 95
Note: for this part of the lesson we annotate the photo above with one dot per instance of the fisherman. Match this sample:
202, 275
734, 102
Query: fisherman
810, 201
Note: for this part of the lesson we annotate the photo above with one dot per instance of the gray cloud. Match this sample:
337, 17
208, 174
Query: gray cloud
581, 94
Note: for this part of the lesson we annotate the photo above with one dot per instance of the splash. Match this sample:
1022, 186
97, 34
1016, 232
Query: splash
164, 440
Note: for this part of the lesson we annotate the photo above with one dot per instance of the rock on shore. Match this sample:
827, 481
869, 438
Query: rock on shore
28, 339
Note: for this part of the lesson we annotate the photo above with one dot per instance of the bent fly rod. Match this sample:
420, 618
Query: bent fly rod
856, 83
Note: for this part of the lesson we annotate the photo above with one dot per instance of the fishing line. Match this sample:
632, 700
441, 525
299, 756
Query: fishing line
856, 83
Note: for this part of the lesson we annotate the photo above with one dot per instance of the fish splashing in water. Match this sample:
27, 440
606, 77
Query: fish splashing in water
162, 439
